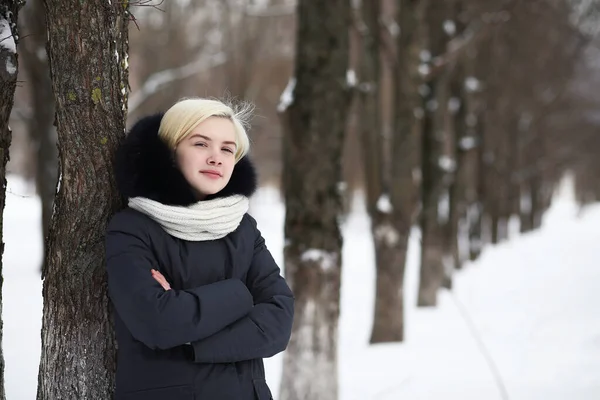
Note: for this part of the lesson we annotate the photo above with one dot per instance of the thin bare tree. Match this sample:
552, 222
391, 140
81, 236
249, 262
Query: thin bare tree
9, 11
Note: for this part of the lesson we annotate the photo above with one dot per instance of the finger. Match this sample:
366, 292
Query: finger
160, 278
162, 282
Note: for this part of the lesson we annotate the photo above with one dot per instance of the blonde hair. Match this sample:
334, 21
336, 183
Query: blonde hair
185, 115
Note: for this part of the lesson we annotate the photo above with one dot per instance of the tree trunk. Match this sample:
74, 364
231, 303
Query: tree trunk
476, 211
460, 193
391, 249
405, 142
436, 168
315, 122
9, 11
389, 259
458, 187
42, 132
87, 48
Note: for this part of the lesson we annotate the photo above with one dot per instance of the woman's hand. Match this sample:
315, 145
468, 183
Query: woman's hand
161, 279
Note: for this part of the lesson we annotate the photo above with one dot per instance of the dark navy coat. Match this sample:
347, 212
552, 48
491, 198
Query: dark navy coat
229, 306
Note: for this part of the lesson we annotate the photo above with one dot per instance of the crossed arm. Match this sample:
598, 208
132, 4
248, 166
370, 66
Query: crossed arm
227, 321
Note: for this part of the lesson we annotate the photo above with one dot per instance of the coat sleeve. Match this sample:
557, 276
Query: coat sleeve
266, 330
163, 319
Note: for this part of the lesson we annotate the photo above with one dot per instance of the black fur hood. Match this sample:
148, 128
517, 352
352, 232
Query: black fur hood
144, 167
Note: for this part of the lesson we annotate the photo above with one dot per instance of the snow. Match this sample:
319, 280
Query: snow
10, 67
287, 97
7, 44
326, 259
393, 28
454, 105
384, 204
22, 290
446, 163
7, 40
449, 27
526, 311
467, 143
472, 84
443, 208
387, 234
351, 78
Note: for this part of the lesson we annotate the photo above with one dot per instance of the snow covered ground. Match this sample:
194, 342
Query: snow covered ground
532, 301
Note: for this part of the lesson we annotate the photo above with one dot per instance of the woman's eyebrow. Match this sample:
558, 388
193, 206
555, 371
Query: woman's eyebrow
210, 140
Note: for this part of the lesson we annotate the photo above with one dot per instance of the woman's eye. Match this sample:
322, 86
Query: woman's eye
201, 144
228, 150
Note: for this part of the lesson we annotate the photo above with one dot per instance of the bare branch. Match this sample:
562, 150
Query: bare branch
270, 11
162, 78
456, 47
142, 3
145, 3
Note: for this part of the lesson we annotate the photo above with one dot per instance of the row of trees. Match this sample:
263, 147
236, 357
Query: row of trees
468, 115
463, 114
484, 116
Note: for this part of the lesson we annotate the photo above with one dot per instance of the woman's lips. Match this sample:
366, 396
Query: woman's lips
211, 174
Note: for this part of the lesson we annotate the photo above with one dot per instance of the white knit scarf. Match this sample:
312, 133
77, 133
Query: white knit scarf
204, 220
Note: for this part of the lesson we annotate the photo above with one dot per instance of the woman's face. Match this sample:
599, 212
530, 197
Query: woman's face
206, 157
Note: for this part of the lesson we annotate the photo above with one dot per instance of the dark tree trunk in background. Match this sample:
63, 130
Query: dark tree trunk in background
405, 142
460, 190
315, 122
436, 165
476, 64
527, 195
387, 320
9, 11
42, 132
87, 50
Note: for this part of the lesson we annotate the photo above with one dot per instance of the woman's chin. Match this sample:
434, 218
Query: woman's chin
205, 190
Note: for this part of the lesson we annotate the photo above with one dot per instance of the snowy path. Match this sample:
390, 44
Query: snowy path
534, 300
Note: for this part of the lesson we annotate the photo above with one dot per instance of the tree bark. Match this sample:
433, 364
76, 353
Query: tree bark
389, 262
476, 65
42, 132
436, 167
9, 11
87, 49
460, 183
315, 122
461, 193
405, 144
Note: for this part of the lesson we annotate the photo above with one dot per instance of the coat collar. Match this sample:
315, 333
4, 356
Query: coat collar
144, 167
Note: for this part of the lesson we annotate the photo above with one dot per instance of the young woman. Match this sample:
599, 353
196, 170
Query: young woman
198, 299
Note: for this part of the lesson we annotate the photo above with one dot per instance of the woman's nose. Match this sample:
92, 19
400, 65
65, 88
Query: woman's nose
212, 160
